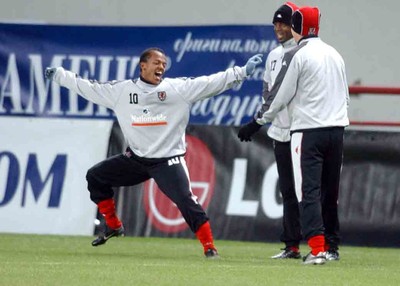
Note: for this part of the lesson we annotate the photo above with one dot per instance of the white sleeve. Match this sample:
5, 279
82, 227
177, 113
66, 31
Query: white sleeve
267, 73
105, 94
267, 79
281, 93
194, 89
347, 90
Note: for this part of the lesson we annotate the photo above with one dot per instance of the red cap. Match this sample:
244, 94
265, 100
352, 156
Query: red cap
305, 21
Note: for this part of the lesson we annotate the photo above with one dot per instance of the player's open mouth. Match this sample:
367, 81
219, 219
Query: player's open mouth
158, 75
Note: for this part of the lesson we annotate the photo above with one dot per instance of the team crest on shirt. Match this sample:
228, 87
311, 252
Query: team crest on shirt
162, 95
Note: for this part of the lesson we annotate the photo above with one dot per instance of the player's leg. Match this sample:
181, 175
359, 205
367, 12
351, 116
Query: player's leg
173, 180
291, 234
307, 166
116, 171
330, 192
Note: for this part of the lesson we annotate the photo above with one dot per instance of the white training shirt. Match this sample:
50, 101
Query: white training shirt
312, 83
153, 118
280, 126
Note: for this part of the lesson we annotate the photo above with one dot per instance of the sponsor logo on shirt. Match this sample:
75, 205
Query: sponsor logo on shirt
148, 120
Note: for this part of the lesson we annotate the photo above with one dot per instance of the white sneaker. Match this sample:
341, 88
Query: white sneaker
318, 259
332, 254
287, 253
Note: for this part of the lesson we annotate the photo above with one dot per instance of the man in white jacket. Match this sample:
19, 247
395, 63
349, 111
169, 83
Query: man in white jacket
279, 131
153, 113
312, 84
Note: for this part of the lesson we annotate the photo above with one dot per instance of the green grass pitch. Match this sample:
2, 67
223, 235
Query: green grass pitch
71, 260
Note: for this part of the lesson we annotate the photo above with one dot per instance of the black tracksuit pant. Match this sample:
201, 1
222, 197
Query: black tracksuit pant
291, 234
170, 174
317, 156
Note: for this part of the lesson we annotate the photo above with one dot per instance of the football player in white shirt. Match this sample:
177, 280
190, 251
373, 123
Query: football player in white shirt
153, 113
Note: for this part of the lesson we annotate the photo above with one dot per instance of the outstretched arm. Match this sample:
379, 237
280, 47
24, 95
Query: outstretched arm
202, 87
105, 94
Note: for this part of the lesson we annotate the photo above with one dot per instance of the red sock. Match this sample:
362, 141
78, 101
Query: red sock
107, 209
317, 244
294, 248
204, 235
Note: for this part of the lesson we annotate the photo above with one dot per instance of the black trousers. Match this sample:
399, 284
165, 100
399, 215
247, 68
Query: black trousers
170, 174
317, 156
291, 234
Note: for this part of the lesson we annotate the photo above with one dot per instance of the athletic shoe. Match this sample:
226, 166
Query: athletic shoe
102, 239
332, 254
211, 253
318, 259
287, 253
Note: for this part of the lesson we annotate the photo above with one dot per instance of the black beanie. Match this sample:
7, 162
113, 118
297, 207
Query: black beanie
284, 13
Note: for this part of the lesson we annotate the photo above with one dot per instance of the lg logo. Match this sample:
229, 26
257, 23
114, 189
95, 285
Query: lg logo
238, 206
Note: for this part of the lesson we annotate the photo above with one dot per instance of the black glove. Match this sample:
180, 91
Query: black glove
248, 130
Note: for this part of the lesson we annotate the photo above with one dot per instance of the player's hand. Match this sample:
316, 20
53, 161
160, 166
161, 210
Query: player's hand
49, 73
252, 63
248, 130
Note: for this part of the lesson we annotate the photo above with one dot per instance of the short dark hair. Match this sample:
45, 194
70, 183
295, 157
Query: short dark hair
146, 54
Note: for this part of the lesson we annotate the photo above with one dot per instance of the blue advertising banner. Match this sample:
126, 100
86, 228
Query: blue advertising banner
112, 53
51, 136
